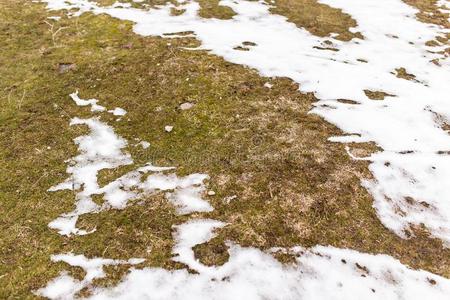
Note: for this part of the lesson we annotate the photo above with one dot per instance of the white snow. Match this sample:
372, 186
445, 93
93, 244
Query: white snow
96, 107
103, 149
144, 144
190, 234
411, 174
66, 287
92, 102
118, 111
393, 38
318, 273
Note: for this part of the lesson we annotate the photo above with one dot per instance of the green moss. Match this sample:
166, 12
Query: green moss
212, 9
319, 19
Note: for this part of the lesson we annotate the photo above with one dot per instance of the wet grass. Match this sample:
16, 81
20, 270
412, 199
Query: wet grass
292, 186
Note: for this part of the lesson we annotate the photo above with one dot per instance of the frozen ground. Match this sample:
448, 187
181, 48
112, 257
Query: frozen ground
410, 124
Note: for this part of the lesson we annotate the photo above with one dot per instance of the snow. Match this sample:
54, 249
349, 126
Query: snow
410, 175
118, 111
144, 144
96, 107
411, 121
102, 149
318, 273
66, 287
99, 150
92, 102
268, 85
190, 234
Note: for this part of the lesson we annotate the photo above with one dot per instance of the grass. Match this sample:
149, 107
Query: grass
319, 19
293, 187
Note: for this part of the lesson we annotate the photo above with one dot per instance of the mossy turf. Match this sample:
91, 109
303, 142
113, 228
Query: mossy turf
292, 186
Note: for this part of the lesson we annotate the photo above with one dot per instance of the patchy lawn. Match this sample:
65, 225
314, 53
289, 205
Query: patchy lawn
292, 186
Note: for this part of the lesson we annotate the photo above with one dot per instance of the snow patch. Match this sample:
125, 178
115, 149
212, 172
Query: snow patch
102, 149
318, 273
92, 102
66, 287
393, 38
118, 111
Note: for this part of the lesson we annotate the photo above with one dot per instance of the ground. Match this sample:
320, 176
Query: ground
292, 185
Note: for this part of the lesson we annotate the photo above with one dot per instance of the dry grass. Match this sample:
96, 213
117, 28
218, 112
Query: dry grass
319, 19
377, 95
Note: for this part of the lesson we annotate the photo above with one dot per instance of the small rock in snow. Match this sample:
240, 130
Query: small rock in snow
168, 128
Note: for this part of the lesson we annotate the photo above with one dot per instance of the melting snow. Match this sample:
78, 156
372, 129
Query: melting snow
144, 144
411, 174
66, 287
99, 150
102, 149
319, 273
412, 122
118, 111
96, 107
92, 102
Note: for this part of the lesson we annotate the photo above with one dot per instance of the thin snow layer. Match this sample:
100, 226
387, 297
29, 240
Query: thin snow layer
190, 234
96, 107
318, 273
143, 144
102, 149
92, 102
118, 111
408, 126
66, 287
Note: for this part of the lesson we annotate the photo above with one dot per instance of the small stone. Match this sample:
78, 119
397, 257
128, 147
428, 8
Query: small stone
66, 67
268, 85
211, 193
186, 105
168, 128
128, 46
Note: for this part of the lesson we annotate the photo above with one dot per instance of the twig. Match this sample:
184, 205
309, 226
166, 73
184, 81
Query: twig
53, 32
